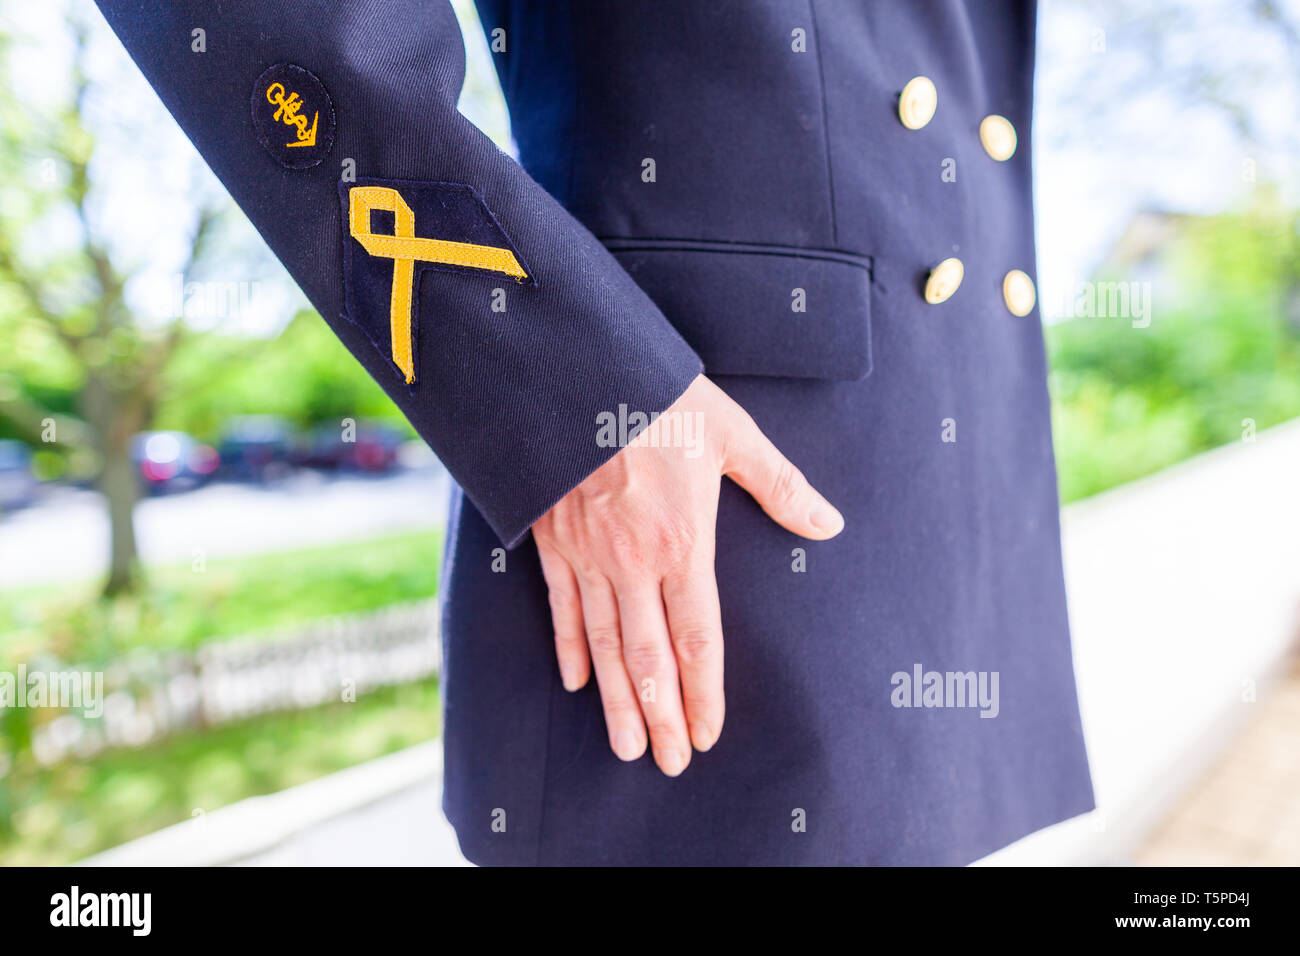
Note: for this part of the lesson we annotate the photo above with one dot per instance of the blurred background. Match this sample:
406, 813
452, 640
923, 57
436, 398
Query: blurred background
205, 502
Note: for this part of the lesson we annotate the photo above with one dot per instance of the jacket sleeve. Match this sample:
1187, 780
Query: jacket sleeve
361, 175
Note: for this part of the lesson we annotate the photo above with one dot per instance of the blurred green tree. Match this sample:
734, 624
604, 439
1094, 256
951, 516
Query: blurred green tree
67, 304
1219, 360
304, 375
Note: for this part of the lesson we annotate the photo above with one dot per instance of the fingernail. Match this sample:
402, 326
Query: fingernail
568, 677
672, 762
626, 746
825, 518
701, 737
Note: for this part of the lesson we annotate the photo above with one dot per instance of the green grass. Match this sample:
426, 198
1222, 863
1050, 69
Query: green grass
71, 811
63, 813
182, 607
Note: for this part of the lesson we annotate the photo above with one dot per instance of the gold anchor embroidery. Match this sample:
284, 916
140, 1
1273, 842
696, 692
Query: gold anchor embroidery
288, 112
405, 248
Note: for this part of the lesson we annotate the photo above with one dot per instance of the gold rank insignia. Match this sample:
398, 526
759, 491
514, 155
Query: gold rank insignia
438, 226
293, 115
287, 107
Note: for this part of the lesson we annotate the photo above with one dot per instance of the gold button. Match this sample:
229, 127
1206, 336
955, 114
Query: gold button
1018, 291
943, 281
917, 102
999, 137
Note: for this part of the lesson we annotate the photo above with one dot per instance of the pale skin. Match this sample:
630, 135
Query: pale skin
628, 560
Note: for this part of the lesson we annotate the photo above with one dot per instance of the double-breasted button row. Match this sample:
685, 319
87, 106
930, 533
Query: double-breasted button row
916, 107
919, 100
1017, 288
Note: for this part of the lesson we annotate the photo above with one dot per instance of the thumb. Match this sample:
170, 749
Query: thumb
776, 484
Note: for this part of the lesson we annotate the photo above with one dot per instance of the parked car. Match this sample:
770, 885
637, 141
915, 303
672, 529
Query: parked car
376, 448
17, 483
256, 448
372, 449
322, 448
172, 461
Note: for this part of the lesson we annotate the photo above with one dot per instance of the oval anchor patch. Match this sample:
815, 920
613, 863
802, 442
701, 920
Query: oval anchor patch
293, 116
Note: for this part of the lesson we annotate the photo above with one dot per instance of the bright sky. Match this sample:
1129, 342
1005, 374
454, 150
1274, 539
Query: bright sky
1151, 148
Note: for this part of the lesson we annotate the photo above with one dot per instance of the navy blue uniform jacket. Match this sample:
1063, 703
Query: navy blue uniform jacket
759, 190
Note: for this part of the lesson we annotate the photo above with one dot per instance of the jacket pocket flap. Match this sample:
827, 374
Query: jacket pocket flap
758, 309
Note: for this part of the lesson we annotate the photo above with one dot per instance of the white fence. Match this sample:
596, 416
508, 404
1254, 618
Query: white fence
148, 696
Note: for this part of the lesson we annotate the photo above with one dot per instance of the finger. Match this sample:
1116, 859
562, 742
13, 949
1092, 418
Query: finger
695, 625
651, 664
622, 712
778, 486
566, 616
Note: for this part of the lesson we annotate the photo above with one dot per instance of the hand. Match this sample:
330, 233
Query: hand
628, 560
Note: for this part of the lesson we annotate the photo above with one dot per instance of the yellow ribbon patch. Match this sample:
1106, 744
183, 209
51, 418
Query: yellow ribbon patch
405, 249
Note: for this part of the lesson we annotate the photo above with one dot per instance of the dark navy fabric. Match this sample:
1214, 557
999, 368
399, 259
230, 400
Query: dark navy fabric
927, 425
709, 289
505, 399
